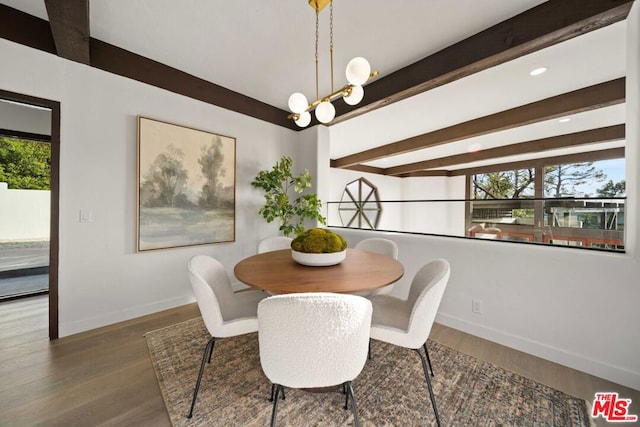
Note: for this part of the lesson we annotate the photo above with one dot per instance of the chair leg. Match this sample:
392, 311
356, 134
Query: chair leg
369, 353
208, 351
354, 406
210, 354
426, 352
275, 404
273, 387
426, 376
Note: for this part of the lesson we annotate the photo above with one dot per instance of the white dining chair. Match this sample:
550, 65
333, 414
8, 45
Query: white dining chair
225, 313
381, 246
407, 323
313, 340
274, 243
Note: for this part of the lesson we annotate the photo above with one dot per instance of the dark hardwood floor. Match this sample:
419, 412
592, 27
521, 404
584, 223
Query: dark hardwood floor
104, 377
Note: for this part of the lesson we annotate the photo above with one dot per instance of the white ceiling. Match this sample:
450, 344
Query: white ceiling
265, 49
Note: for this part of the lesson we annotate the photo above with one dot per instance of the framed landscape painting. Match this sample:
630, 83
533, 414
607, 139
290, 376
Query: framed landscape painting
186, 186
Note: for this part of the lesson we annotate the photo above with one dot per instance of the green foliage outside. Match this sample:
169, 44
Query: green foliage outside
24, 164
318, 241
559, 181
612, 189
283, 197
514, 184
563, 180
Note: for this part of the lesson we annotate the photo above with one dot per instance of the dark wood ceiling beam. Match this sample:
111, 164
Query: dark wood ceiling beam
588, 156
115, 60
589, 98
438, 172
69, 20
365, 168
28, 30
592, 136
551, 22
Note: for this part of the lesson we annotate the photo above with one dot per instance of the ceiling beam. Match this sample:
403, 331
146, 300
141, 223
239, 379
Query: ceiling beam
589, 98
549, 23
115, 60
592, 136
28, 30
69, 20
365, 168
587, 156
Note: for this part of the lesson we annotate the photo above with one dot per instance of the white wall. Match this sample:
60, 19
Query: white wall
433, 217
24, 214
102, 279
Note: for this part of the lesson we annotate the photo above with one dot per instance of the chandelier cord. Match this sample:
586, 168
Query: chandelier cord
317, 34
331, 41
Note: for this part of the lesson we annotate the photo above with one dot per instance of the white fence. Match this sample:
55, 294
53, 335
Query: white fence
24, 214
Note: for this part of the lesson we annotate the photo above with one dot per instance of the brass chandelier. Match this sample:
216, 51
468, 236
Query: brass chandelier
358, 73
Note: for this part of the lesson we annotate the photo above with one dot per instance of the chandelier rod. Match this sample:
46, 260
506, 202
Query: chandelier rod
330, 42
317, 34
343, 91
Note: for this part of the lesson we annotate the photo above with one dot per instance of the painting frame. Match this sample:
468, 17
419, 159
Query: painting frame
186, 185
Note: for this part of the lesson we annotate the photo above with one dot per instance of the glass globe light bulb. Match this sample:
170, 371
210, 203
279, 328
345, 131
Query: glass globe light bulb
304, 119
358, 71
356, 95
325, 112
298, 103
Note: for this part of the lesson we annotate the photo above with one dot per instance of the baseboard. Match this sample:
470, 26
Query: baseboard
82, 325
576, 361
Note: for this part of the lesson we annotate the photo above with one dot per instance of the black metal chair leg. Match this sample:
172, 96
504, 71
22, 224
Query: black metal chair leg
426, 376
369, 353
273, 387
275, 405
210, 354
208, 351
354, 406
426, 352
346, 393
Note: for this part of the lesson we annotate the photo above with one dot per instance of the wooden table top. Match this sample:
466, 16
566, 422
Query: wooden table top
278, 273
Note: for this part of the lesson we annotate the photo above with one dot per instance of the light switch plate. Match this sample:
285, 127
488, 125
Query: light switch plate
86, 215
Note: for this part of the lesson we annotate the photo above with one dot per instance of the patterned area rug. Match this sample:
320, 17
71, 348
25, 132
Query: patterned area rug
390, 391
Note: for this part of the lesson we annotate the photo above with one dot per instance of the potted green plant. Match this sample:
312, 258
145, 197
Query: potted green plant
284, 198
318, 247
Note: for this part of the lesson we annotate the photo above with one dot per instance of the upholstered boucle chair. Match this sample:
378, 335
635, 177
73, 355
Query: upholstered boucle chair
381, 246
274, 243
225, 313
407, 323
313, 340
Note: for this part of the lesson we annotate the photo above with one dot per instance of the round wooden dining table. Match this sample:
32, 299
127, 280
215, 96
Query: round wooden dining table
276, 272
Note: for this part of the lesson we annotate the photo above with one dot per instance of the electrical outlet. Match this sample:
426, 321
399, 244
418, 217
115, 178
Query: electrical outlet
476, 306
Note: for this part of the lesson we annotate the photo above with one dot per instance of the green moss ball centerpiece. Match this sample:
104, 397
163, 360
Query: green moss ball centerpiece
318, 247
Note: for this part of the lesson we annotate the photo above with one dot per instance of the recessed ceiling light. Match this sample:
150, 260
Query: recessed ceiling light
564, 120
538, 71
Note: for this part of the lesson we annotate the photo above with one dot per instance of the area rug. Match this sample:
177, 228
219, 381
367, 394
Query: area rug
390, 391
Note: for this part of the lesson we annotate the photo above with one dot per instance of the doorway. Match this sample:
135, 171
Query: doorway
53, 139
